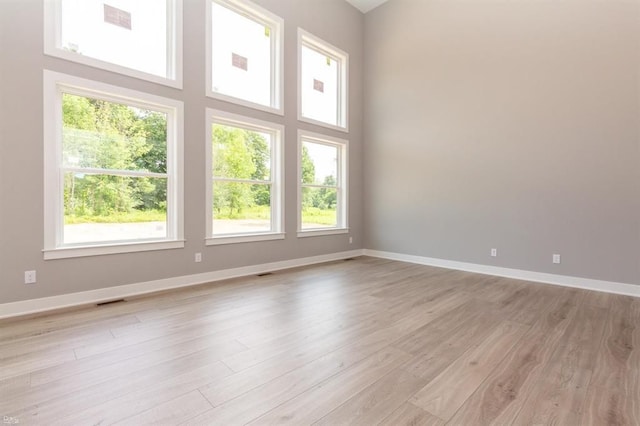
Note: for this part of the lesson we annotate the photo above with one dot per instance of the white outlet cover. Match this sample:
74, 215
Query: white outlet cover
29, 277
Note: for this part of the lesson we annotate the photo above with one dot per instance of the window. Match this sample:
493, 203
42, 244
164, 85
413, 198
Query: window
244, 193
113, 169
140, 38
244, 54
322, 91
322, 168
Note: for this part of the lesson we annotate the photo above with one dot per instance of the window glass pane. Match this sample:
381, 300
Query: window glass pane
240, 153
105, 135
101, 207
241, 56
241, 208
130, 33
319, 80
319, 164
319, 208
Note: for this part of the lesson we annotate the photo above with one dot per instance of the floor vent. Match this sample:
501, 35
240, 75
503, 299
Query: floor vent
264, 274
109, 302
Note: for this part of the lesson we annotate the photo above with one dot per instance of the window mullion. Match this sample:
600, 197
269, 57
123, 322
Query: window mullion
249, 181
112, 172
310, 185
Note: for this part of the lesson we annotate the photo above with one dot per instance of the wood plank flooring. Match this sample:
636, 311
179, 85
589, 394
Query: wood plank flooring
360, 342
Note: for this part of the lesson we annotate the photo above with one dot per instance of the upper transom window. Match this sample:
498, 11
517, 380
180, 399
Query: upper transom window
140, 38
244, 54
323, 90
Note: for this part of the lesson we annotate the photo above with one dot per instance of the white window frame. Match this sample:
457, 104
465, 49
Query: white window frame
311, 41
55, 84
342, 184
214, 116
53, 46
259, 14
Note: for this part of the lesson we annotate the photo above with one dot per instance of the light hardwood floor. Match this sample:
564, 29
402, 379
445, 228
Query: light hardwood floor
363, 342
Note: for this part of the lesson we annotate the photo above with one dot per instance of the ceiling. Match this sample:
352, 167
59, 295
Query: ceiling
366, 5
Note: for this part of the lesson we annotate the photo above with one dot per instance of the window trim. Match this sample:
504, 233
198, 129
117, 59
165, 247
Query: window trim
55, 84
342, 183
53, 34
257, 13
307, 39
214, 116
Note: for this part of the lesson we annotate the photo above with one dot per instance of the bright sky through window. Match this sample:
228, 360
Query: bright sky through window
325, 161
320, 91
129, 33
242, 61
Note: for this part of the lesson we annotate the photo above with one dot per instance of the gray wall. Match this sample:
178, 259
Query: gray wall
513, 125
21, 155
506, 124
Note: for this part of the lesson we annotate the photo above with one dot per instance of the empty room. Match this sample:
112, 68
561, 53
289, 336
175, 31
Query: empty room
320, 212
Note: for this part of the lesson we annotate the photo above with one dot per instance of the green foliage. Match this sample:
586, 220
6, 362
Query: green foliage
315, 216
154, 160
104, 135
109, 136
248, 213
308, 176
318, 204
308, 168
135, 216
243, 155
78, 113
326, 198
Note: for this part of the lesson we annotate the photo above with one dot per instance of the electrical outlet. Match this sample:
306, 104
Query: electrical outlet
29, 277
350, 240
556, 258
198, 257
494, 252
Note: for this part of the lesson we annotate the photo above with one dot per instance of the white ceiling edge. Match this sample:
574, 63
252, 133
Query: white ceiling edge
366, 5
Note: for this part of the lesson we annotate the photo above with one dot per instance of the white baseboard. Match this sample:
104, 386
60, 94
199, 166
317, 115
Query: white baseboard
541, 277
25, 307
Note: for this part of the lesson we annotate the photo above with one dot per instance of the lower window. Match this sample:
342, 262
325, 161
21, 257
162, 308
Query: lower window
111, 167
245, 182
322, 168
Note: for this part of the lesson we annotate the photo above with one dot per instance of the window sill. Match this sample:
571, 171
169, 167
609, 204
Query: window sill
245, 103
55, 52
322, 232
245, 238
117, 248
304, 119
